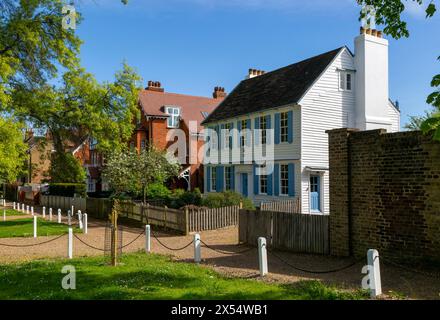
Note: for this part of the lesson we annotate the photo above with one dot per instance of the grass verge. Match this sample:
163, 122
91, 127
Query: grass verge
149, 277
25, 228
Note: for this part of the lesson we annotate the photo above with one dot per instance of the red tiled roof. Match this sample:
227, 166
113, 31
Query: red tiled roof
191, 107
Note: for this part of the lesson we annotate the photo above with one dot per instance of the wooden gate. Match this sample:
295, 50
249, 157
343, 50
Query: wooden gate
287, 231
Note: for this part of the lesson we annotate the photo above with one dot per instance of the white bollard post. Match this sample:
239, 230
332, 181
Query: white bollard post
262, 256
147, 238
69, 221
70, 244
59, 215
50, 214
374, 272
197, 249
85, 223
44, 212
27, 209
73, 212
80, 219
14, 205
35, 226
22, 207
32, 210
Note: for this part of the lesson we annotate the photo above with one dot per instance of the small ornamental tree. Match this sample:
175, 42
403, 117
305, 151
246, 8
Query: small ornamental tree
132, 172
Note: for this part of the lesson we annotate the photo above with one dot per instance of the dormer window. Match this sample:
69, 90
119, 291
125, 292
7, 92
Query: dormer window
174, 116
345, 81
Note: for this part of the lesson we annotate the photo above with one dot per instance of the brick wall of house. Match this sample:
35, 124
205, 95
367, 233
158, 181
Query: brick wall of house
384, 194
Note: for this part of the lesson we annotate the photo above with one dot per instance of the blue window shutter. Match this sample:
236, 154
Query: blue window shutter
270, 184
256, 133
291, 179
217, 131
268, 122
233, 178
248, 138
239, 133
256, 179
277, 128
208, 179
220, 142
290, 126
276, 172
220, 178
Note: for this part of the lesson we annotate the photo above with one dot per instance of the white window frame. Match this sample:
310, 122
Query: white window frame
228, 177
213, 178
260, 185
263, 130
286, 179
173, 120
243, 134
344, 77
228, 141
284, 124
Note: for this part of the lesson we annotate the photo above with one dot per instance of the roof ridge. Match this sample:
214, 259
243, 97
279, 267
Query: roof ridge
177, 94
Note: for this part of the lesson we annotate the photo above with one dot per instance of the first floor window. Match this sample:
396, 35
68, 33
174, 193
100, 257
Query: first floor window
174, 116
228, 178
263, 184
213, 179
284, 179
284, 127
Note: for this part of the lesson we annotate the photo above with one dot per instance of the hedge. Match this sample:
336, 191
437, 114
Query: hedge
67, 189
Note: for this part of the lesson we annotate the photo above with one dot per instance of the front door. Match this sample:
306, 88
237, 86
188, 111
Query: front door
244, 184
315, 193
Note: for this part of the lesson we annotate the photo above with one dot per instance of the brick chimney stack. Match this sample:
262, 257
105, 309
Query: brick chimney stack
219, 93
154, 86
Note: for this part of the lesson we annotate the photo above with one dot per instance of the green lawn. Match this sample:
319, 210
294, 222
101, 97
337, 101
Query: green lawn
152, 277
25, 228
11, 212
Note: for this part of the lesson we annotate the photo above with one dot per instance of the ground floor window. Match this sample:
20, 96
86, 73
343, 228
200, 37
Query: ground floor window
284, 179
228, 178
263, 184
213, 179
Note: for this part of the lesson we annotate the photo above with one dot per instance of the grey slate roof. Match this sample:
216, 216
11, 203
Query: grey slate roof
273, 89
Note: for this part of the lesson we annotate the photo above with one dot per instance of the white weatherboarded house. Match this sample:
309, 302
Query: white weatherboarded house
297, 104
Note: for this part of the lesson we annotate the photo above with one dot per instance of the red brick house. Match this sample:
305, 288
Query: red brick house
162, 112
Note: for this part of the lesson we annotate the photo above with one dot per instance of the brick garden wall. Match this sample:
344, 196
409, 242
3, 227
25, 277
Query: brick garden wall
384, 194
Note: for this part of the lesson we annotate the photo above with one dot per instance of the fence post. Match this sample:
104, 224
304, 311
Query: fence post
187, 229
32, 210
147, 238
59, 215
148, 212
44, 212
70, 244
262, 256
165, 217
35, 226
85, 223
197, 248
374, 272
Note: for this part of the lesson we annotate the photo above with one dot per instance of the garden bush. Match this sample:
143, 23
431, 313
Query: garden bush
181, 198
227, 199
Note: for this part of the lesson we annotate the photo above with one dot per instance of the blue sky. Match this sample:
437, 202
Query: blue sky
191, 46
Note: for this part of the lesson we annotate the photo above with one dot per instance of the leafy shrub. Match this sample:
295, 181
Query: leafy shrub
157, 191
65, 168
227, 199
181, 198
67, 189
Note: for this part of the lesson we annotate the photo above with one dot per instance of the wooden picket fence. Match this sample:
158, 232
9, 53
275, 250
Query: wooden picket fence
294, 232
185, 220
289, 206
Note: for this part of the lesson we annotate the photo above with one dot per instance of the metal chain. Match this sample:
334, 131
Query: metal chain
386, 261
31, 245
88, 245
142, 233
169, 248
226, 252
314, 271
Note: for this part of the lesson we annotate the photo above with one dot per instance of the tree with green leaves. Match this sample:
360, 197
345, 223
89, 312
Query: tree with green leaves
12, 150
389, 13
131, 172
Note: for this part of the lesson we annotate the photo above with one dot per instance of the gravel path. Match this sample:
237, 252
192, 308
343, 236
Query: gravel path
243, 265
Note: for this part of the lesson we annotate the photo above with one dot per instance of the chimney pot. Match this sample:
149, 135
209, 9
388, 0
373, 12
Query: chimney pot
374, 32
219, 92
155, 86
362, 30
379, 34
369, 31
